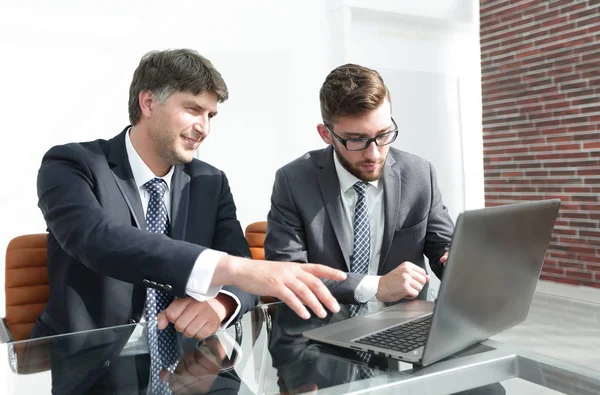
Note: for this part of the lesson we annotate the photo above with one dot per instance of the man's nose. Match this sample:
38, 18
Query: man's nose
202, 126
372, 153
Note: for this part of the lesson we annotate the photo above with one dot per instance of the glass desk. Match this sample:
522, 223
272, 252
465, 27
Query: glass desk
266, 354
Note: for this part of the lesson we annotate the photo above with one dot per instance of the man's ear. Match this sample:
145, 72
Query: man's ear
146, 101
324, 133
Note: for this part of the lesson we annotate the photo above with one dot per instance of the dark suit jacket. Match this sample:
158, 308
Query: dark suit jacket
305, 220
100, 257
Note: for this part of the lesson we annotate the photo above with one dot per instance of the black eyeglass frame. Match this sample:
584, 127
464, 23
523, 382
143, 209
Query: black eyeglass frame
367, 141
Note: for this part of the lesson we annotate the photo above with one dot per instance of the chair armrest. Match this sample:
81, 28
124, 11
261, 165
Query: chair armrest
5, 335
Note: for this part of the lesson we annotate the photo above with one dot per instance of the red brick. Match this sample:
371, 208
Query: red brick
561, 173
590, 74
588, 21
579, 274
581, 128
590, 136
550, 277
579, 93
587, 100
572, 8
574, 85
578, 190
546, 270
559, 139
589, 233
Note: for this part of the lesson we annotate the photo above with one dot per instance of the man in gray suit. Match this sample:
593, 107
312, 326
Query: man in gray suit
360, 205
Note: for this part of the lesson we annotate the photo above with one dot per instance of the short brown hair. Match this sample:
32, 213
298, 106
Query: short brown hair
351, 90
177, 70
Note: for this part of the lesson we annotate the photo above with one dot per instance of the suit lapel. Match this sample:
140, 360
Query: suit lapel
180, 196
330, 190
117, 157
391, 198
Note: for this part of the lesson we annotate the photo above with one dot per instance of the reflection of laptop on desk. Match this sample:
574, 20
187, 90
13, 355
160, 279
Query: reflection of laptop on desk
488, 284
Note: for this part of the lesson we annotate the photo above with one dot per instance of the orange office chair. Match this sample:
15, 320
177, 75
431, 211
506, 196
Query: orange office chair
27, 293
26, 287
255, 234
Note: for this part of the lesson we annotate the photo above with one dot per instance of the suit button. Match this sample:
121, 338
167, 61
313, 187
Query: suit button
153, 283
132, 321
168, 288
106, 364
145, 282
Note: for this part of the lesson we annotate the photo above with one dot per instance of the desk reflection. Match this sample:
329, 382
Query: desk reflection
94, 362
305, 366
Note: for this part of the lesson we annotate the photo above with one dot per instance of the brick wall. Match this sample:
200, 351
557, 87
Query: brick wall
540, 62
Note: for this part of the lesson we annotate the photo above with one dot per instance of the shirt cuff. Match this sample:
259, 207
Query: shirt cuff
367, 289
198, 285
237, 308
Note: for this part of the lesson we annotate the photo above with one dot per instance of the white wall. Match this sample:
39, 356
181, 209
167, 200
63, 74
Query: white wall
428, 54
66, 68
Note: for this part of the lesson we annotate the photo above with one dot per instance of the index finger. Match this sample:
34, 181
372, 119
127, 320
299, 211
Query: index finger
288, 297
323, 271
320, 291
162, 320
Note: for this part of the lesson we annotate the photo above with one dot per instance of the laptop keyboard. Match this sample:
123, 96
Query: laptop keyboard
403, 338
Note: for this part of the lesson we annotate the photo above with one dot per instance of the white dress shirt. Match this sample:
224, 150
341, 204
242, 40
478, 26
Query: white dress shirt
367, 288
198, 285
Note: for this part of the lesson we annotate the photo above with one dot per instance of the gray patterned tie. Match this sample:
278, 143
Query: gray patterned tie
361, 252
361, 255
163, 345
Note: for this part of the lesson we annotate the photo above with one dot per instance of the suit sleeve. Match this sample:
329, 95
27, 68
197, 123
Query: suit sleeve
84, 229
286, 238
439, 228
229, 238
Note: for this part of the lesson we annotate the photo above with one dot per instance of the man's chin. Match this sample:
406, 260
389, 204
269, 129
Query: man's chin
368, 176
182, 159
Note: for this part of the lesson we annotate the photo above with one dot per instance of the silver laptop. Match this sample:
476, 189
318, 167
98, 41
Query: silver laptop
488, 284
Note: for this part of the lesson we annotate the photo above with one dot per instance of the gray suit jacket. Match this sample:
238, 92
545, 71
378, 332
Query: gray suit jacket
305, 220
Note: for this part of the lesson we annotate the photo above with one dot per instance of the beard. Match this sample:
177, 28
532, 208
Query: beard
165, 142
355, 169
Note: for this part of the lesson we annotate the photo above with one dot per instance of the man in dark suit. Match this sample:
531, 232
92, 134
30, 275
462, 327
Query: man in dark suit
360, 205
135, 221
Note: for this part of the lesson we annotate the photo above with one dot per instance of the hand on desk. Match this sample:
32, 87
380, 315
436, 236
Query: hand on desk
197, 370
194, 318
405, 281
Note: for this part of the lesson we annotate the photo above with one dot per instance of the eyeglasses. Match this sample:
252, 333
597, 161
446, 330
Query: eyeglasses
362, 143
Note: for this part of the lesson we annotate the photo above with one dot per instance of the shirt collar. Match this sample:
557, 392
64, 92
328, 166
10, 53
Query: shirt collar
347, 180
141, 172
